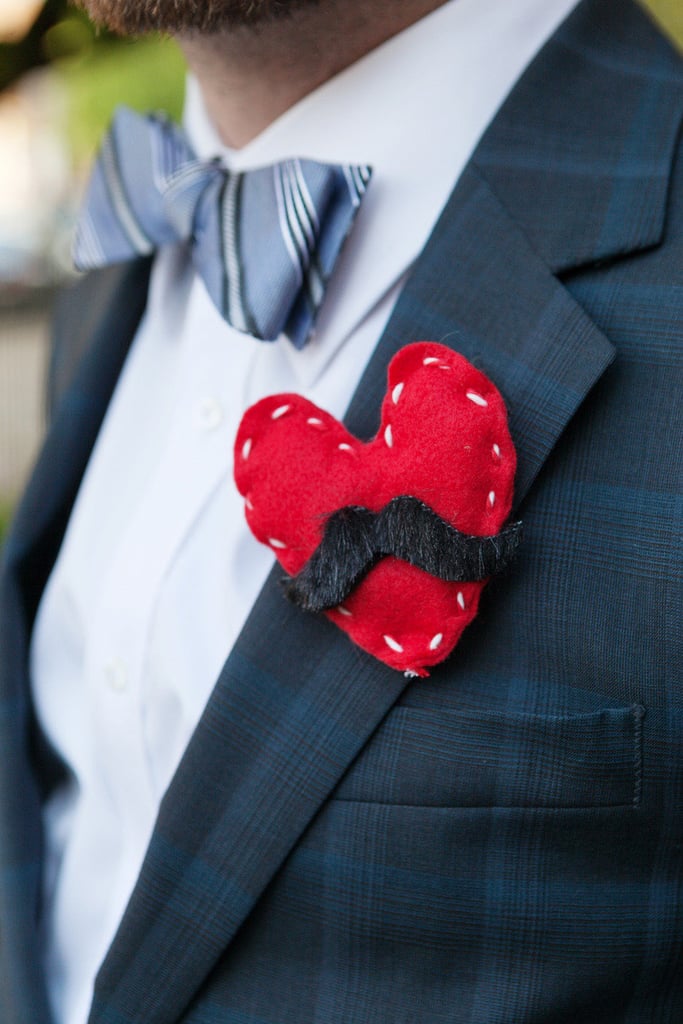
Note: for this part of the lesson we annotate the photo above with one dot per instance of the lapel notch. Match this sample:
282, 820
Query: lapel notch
580, 154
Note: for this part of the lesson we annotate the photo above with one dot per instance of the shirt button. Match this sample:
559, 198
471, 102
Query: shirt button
209, 414
116, 675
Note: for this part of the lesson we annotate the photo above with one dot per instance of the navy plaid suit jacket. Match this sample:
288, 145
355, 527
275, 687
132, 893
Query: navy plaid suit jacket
501, 843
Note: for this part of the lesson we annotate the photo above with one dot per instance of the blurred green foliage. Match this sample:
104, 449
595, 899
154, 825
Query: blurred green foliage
99, 70
5, 514
145, 74
669, 14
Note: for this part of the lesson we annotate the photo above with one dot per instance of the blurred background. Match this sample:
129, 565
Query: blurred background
60, 80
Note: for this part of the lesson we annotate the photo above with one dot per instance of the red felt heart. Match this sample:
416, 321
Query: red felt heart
443, 439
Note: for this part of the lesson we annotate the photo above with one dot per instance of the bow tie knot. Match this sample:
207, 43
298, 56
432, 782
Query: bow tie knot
264, 241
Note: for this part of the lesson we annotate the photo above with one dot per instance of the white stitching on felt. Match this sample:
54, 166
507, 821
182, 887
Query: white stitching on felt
280, 411
393, 644
246, 448
475, 397
435, 641
396, 393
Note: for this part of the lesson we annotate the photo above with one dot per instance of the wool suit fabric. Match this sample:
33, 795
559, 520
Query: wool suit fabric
503, 842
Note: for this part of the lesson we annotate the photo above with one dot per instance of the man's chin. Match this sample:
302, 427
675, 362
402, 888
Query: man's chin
174, 17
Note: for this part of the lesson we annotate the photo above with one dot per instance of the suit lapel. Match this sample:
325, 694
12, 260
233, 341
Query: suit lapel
573, 171
292, 707
480, 289
296, 701
580, 154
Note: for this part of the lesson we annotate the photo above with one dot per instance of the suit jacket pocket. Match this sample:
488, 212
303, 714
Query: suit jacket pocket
447, 758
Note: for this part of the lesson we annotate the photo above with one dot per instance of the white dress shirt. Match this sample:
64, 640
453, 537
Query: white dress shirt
158, 570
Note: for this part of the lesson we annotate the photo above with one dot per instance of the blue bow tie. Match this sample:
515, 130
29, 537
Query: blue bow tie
264, 242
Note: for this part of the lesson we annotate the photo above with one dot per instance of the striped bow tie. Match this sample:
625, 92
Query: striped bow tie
264, 241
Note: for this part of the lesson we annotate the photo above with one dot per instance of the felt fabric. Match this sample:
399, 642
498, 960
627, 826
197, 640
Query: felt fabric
443, 439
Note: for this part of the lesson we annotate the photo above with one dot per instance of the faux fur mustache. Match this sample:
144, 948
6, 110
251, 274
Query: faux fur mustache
355, 539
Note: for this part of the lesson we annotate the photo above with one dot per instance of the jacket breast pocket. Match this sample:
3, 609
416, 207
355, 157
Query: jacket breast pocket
447, 758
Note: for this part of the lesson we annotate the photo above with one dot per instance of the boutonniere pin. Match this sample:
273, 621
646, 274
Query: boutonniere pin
395, 539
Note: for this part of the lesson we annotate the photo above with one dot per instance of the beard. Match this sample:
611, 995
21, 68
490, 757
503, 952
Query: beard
173, 17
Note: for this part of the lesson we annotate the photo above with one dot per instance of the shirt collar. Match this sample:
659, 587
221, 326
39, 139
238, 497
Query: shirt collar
414, 109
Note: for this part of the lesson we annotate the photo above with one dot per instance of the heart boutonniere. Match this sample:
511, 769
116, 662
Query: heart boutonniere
393, 539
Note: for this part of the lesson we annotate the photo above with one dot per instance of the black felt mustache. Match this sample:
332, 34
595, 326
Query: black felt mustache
355, 539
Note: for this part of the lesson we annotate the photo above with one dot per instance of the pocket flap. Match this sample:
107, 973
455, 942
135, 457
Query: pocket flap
494, 759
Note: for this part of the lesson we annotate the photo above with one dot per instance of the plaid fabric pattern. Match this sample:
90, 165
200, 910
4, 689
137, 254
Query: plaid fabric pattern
500, 843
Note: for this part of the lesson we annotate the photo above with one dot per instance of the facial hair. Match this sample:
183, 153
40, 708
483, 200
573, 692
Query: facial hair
173, 17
